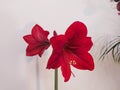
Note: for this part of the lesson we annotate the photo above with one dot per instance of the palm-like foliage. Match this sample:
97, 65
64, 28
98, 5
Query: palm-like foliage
113, 48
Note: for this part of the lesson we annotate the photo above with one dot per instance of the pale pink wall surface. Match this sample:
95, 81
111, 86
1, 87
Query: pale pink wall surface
17, 17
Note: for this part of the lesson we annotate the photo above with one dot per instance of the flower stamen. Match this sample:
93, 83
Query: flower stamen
72, 62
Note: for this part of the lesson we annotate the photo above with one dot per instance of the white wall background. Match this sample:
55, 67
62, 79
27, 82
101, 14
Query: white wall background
17, 17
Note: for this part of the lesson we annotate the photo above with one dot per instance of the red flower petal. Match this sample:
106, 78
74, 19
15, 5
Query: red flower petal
58, 42
29, 39
66, 71
118, 6
39, 34
76, 30
54, 61
81, 44
34, 49
82, 61
85, 62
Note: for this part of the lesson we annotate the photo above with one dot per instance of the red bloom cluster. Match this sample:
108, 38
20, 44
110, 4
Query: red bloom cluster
69, 49
37, 41
118, 7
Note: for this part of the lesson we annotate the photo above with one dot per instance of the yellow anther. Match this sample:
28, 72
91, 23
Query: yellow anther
72, 62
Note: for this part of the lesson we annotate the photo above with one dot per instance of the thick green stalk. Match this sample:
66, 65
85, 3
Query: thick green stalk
56, 80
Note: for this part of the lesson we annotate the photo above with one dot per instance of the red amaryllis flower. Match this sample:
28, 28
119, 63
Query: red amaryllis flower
118, 7
71, 49
37, 41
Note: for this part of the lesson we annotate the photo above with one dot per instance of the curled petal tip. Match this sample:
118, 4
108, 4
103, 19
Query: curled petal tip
78, 22
65, 80
91, 68
47, 67
55, 33
36, 25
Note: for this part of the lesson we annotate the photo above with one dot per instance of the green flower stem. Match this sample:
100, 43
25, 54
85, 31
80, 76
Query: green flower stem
56, 80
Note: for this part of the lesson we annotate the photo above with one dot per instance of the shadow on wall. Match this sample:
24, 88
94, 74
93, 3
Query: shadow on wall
10, 50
